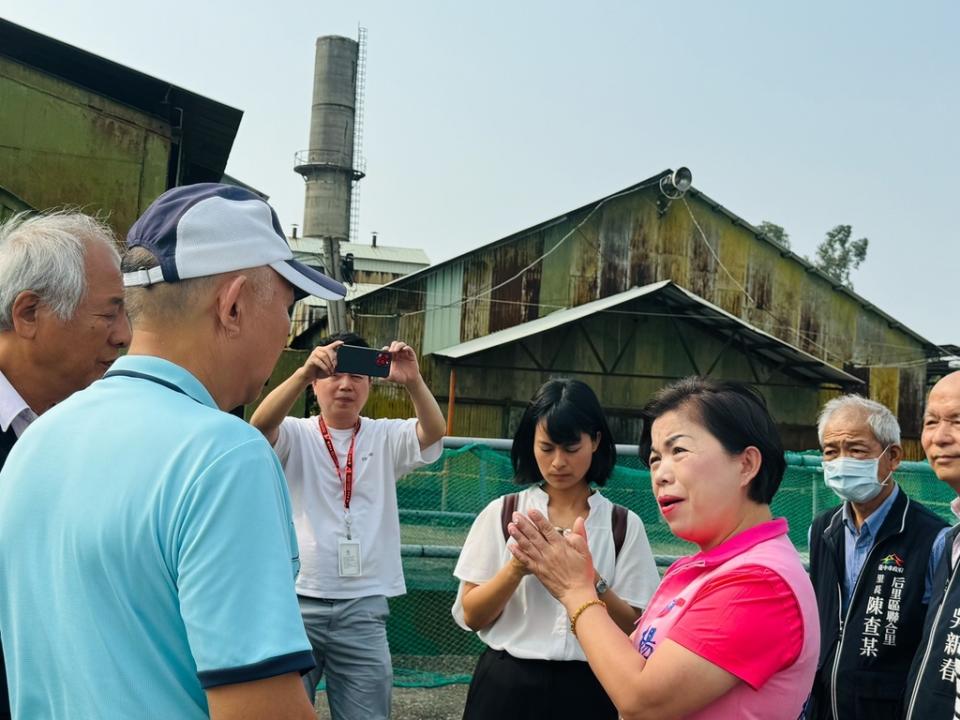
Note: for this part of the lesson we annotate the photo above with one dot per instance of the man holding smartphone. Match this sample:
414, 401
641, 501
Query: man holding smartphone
342, 470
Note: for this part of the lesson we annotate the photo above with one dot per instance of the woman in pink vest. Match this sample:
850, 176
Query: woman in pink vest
732, 631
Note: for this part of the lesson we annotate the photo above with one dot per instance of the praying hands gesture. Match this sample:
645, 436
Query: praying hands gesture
562, 563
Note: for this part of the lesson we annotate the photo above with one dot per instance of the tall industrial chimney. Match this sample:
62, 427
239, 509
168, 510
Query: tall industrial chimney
328, 167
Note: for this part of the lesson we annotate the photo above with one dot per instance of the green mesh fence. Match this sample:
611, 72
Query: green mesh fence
438, 504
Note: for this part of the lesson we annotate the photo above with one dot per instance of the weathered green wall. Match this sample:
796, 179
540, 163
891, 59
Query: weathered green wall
493, 386
625, 244
63, 145
289, 361
10, 204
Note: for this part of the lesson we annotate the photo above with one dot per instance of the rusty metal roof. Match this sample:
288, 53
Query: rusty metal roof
809, 267
682, 302
930, 348
521, 233
415, 258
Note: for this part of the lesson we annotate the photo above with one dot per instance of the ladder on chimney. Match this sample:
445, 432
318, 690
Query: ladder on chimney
359, 163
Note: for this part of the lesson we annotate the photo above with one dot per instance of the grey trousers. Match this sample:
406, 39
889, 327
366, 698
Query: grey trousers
349, 641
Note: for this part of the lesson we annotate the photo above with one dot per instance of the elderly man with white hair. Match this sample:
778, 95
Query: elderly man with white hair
62, 321
872, 561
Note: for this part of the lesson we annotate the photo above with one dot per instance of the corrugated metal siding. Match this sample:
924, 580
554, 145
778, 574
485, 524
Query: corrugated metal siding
478, 420
616, 234
705, 277
760, 282
508, 375
288, 361
627, 243
394, 314
912, 449
475, 314
789, 283
584, 268
735, 255
411, 326
645, 255
508, 303
556, 286
384, 266
441, 326
672, 248
65, 145
388, 400
811, 318
885, 387
910, 401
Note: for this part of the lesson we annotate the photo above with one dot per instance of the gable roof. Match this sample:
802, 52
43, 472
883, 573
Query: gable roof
796, 362
892, 322
308, 245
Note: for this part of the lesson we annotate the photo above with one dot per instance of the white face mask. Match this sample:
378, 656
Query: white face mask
853, 479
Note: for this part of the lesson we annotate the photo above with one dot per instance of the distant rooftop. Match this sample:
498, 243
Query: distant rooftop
354, 290
313, 246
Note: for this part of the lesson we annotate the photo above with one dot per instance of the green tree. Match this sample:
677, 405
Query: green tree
837, 255
774, 232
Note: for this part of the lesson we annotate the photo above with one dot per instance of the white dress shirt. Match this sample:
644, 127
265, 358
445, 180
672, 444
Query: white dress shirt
14, 411
533, 625
955, 508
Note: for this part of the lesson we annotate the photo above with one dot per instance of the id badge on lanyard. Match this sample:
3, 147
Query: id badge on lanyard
349, 556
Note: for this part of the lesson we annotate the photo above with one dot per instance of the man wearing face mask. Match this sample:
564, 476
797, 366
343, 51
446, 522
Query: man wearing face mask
871, 564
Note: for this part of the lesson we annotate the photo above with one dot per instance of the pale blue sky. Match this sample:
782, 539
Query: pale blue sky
487, 117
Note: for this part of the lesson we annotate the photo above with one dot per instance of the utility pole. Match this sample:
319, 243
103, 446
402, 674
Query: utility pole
336, 309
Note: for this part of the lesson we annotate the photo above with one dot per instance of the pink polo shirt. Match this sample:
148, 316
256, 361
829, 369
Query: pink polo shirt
748, 607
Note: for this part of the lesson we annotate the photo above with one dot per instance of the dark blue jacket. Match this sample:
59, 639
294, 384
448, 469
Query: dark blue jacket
865, 654
931, 692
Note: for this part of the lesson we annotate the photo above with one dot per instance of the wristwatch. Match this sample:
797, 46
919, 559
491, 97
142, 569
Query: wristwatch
601, 585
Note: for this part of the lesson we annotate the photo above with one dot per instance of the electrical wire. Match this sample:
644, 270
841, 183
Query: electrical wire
491, 289
484, 294
826, 352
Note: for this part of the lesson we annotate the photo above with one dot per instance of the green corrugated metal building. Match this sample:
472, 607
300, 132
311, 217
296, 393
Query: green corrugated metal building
686, 287
79, 130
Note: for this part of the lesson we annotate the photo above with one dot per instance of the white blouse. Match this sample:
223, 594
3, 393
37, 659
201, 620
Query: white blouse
534, 625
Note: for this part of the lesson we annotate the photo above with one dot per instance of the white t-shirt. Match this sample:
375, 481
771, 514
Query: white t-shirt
385, 451
534, 625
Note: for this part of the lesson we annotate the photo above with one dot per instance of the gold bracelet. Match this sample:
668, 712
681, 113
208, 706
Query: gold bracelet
576, 615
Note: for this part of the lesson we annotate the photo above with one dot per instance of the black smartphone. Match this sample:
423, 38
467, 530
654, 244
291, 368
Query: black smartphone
354, 360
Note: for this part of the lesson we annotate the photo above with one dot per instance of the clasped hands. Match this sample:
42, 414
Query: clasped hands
562, 563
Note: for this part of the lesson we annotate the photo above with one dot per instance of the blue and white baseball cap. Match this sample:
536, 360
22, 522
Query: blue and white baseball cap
208, 228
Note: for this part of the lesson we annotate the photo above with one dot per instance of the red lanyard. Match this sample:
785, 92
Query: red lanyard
346, 478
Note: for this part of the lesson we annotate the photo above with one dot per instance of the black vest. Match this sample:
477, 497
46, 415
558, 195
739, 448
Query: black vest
932, 684
7, 440
865, 656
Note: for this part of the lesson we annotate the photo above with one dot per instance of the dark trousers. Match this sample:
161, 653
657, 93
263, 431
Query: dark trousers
508, 688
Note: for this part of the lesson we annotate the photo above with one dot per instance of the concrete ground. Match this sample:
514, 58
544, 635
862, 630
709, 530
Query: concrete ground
441, 703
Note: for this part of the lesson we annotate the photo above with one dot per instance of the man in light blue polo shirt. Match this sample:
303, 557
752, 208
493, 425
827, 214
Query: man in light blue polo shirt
147, 552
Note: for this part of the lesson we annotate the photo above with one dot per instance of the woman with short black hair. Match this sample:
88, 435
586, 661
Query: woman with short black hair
533, 666
736, 415
732, 631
